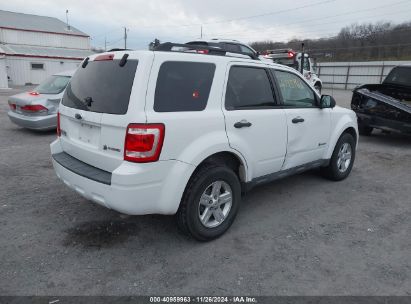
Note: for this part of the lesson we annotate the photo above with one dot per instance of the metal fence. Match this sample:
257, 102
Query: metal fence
348, 75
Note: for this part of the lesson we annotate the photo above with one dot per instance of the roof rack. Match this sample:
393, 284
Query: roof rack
118, 49
211, 50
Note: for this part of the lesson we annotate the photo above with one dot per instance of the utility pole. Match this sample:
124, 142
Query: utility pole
105, 43
201, 31
68, 26
125, 37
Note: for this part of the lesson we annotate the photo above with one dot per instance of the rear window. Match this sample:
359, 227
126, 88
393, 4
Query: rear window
399, 75
53, 85
102, 86
183, 86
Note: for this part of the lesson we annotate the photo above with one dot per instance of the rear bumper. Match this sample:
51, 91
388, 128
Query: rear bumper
47, 122
150, 188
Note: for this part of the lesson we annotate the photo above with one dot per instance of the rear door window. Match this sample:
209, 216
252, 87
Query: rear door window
248, 88
183, 86
102, 86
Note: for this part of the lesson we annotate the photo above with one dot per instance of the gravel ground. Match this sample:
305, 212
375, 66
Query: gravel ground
299, 236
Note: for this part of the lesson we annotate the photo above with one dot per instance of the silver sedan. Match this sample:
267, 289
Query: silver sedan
37, 110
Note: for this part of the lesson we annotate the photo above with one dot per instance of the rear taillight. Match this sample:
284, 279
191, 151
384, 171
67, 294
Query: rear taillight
203, 51
34, 108
143, 142
34, 93
12, 106
58, 125
290, 54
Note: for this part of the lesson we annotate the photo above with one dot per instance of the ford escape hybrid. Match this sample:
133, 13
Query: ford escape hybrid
186, 130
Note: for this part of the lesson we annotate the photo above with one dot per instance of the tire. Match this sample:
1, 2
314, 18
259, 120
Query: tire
201, 185
364, 130
338, 168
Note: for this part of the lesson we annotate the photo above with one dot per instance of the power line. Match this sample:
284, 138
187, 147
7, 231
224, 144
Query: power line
327, 17
243, 18
352, 12
326, 32
272, 13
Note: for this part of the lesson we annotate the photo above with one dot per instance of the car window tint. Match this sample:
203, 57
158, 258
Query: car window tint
102, 87
230, 47
246, 50
294, 90
183, 86
248, 87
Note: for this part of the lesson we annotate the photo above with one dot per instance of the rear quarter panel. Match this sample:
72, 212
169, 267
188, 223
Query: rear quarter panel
191, 136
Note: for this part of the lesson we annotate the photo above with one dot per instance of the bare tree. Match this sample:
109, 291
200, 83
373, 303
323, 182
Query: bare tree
367, 41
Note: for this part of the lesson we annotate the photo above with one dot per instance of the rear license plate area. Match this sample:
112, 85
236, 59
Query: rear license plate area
88, 134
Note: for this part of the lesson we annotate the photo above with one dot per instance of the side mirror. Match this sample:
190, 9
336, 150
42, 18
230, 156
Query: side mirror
327, 101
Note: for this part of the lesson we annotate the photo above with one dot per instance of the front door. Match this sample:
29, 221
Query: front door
308, 125
255, 124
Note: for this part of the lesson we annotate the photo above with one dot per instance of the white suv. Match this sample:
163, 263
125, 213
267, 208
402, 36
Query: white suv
175, 132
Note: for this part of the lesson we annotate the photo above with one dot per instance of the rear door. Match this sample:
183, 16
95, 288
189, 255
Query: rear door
97, 106
256, 126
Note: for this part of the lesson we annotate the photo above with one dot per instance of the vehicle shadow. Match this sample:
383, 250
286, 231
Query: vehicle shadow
150, 231
120, 230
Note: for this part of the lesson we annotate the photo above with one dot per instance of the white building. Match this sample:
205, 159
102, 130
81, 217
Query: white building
33, 47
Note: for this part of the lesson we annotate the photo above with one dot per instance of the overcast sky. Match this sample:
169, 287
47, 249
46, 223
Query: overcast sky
180, 20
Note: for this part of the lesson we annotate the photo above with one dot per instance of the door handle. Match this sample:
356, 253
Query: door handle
297, 119
242, 124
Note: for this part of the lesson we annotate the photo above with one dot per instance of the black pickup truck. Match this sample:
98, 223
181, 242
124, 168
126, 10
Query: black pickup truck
385, 106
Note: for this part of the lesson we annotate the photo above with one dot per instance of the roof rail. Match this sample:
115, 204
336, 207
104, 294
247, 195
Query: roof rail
212, 50
118, 49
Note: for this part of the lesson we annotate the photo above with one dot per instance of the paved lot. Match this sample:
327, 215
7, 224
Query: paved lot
299, 236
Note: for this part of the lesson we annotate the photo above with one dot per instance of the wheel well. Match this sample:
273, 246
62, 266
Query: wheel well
352, 132
228, 159
318, 83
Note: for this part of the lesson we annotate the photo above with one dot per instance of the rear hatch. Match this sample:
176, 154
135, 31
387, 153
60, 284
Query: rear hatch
102, 98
